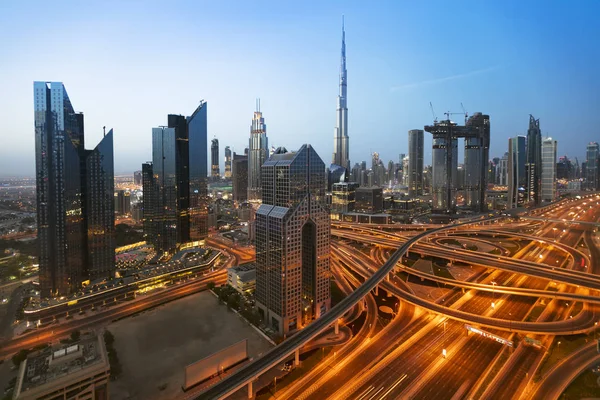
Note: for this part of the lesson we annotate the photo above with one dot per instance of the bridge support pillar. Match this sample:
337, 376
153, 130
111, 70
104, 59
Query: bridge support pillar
337, 327
297, 357
377, 290
250, 391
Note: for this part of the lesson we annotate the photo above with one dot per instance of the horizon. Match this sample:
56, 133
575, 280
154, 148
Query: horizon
130, 76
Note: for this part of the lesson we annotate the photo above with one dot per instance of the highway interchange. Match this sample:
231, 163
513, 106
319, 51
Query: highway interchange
543, 285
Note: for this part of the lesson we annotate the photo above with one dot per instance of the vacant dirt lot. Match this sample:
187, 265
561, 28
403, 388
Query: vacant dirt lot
154, 347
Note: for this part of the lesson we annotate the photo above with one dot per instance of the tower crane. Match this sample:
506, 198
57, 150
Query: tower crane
435, 120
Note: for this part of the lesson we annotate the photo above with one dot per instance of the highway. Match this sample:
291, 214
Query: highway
277, 354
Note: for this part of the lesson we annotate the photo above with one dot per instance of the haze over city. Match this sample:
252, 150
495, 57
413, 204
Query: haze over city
129, 64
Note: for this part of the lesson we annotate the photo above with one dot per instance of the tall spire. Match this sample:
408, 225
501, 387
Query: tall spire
340, 140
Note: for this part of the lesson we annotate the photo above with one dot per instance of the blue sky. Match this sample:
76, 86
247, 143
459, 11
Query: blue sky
128, 64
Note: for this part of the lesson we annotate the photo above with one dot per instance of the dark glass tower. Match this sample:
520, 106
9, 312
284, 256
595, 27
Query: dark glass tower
72, 185
182, 164
415, 162
164, 167
292, 240
149, 203
533, 164
239, 179
197, 137
215, 173
99, 210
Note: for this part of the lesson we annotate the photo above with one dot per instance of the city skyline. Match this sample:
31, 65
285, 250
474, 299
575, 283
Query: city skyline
388, 98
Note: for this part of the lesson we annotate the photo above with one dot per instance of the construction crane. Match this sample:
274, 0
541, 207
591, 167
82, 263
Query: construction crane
435, 120
448, 114
465, 111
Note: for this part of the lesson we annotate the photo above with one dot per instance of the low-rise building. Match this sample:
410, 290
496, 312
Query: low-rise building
74, 371
242, 278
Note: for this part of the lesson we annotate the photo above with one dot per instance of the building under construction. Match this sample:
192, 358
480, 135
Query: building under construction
445, 182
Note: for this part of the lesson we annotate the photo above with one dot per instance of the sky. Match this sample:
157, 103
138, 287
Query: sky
127, 64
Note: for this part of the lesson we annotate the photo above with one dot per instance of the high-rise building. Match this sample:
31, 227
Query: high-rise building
292, 240
164, 168
415, 162
182, 175
369, 200
548, 170
122, 202
340, 137
239, 179
137, 178
502, 171
198, 137
565, 168
99, 213
149, 203
445, 180
516, 172
227, 162
75, 208
343, 198
533, 166
215, 172
592, 166
257, 154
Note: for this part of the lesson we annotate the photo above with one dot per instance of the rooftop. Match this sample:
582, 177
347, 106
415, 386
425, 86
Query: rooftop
58, 366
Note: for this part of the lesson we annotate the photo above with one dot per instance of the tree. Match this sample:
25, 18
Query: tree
75, 335
210, 286
21, 356
109, 339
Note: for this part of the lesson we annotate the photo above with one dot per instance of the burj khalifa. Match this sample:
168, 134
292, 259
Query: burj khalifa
340, 140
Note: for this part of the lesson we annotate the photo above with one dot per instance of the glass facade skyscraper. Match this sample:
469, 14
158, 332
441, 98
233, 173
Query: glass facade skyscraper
215, 171
516, 172
548, 170
227, 162
533, 166
197, 139
164, 167
239, 179
182, 163
592, 166
415, 162
292, 240
257, 154
72, 185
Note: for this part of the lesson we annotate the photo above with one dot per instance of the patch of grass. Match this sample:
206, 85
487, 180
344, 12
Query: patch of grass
336, 293
442, 272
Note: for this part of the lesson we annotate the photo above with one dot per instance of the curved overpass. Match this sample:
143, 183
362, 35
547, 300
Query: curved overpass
250, 372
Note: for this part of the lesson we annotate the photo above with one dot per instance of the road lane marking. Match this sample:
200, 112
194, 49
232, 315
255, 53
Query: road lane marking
366, 392
399, 381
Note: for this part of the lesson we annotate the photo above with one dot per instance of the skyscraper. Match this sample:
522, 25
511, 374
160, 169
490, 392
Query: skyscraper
239, 179
592, 166
99, 212
533, 166
75, 208
445, 180
164, 168
502, 170
340, 137
227, 162
516, 172
415, 162
548, 170
197, 137
292, 240
149, 203
182, 174
258, 153
215, 172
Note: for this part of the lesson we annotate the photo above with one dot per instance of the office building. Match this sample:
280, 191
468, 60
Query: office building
227, 162
164, 169
197, 138
548, 193
215, 172
242, 278
592, 166
343, 197
122, 202
502, 171
149, 203
369, 200
533, 166
239, 179
257, 153
182, 175
445, 180
137, 178
565, 168
517, 179
67, 371
74, 194
415, 162
341, 140
292, 240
